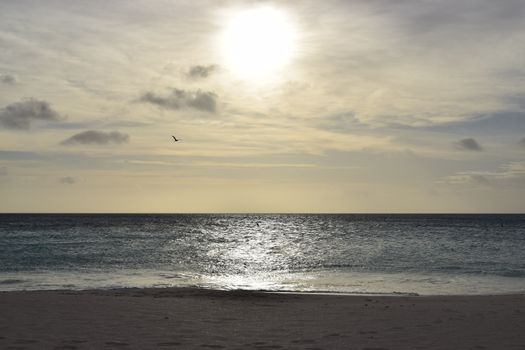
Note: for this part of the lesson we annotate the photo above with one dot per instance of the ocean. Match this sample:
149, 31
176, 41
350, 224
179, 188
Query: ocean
334, 253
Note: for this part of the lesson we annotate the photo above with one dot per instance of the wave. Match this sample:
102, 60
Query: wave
11, 281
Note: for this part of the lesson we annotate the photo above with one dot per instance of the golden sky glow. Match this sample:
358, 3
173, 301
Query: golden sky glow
331, 106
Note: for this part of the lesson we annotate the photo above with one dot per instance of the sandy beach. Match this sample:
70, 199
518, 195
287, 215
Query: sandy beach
204, 319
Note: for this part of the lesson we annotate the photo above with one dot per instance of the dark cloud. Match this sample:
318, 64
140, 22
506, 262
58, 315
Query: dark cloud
68, 180
96, 137
198, 72
7, 79
178, 99
20, 115
469, 145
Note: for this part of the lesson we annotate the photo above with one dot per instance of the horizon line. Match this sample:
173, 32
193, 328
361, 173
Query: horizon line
262, 213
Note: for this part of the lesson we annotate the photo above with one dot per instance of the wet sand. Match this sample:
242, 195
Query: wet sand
202, 319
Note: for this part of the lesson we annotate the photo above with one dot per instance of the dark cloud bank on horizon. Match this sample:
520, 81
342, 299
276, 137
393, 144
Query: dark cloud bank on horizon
97, 138
21, 115
179, 99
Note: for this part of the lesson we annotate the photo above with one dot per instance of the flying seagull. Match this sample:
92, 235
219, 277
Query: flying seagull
175, 138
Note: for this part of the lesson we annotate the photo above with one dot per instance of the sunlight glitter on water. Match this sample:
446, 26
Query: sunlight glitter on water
425, 254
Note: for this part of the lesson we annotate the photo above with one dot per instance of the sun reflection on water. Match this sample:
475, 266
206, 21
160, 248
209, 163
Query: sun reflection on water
251, 254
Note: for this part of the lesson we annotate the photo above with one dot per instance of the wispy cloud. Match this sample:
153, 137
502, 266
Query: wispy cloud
21, 115
342, 123
509, 175
19, 155
179, 99
494, 122
96, 137
468, 145
403, 53
390, 87
253, 165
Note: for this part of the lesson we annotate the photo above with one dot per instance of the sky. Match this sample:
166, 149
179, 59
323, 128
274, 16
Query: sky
395, 106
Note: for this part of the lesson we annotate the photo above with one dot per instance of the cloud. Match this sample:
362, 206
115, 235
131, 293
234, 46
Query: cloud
345, 122
179, 99
20, 155
500, 122
480, 179
68, 180
469, 145
471, 178
3, 171
522, 142
7, 79
519, 98
510, 175
20, 115
198, 72
96, 137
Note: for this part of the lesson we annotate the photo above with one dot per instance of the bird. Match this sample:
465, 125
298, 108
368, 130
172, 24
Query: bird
175, 138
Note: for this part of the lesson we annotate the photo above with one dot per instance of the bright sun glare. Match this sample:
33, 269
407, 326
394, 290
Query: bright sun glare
258, 42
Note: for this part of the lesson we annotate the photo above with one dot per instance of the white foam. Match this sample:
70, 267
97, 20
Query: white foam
318, 281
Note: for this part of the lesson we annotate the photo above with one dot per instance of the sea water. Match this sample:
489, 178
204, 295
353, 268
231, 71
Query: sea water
350, 253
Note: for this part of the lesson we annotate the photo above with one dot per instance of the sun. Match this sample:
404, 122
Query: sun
258, 42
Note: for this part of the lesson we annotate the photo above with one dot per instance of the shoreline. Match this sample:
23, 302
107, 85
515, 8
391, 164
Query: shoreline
314, 282
196, 318
204, 291
264, 291
238, 290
